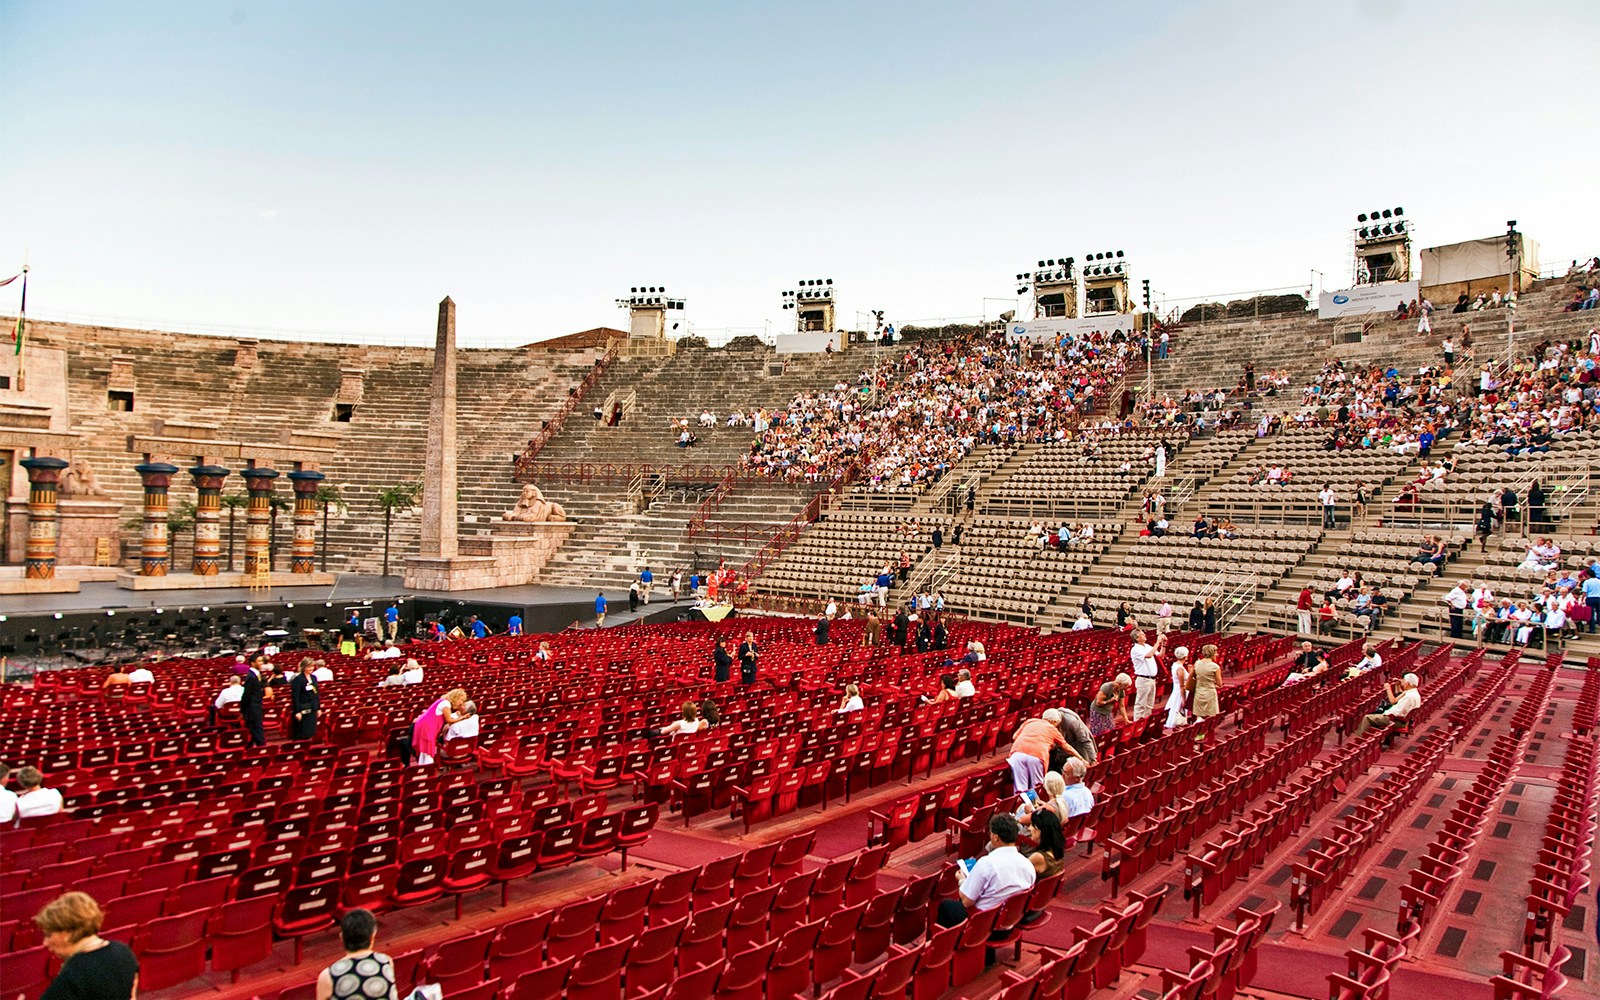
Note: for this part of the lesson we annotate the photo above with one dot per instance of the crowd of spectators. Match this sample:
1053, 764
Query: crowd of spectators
912, 416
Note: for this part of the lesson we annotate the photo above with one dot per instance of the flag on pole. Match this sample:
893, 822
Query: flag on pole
22, 311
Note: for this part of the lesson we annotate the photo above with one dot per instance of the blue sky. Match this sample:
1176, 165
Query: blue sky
341, 167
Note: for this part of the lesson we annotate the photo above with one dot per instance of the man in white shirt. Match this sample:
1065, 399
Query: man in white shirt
1078, 797
1145, 670
230, 694
995, 878
323, 672
1083, 622
34, 799
467, 728
412, 674
1328, 498
1408, 701
8, 799
832, 609
141, 675
964, 686
1370, 660
1457, 599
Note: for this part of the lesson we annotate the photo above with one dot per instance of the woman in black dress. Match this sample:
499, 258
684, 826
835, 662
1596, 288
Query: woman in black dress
304, 702
722, 661
92, 968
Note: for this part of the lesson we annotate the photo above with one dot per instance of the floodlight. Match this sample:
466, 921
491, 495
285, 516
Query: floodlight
1362, 217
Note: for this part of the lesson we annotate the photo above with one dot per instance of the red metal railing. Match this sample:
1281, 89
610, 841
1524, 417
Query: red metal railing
554, 424
697, 523
610, 473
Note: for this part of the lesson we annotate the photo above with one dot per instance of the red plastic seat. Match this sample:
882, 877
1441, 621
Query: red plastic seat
652, 956
623, 915
241, 934
470, 870
24, 972
598, 973
634, 827
575, 928
306, 909
789, 974
420, 880
746, 974
460, 962
513, 858
701, 943
171, 950
560, 846
836, 944
548, 982
599, 836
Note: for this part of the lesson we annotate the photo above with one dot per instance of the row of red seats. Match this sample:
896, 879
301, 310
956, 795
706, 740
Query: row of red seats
1316, 879
1230, 858
1561, 874
1097, 957
1586, 714
1169, 832
1226, 967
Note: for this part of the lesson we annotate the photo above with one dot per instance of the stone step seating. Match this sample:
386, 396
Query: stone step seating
846, 549
502, 397
691, 381
1078, 479
1300, 451
1482, 469
1499, 568
1382, 557
610, 545
1178, 568
1005, 574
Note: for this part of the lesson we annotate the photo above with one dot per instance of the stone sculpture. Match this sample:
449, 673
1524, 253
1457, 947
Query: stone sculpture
533, 508
80, 481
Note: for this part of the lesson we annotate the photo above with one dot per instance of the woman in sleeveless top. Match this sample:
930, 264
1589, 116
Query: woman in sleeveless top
362, 974
1180, 688
431, 724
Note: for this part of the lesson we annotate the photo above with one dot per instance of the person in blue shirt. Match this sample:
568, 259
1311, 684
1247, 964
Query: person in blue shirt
599, 610
478, 629
514, 625
694, 584
646, 580
391, 619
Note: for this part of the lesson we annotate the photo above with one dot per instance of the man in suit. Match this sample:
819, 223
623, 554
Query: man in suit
250, 708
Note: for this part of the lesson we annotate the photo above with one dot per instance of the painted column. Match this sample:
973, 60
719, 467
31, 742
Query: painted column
208, 480
155, 551
258, 520
44, 480
303, 557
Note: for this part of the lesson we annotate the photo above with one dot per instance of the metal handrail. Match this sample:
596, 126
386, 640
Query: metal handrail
553, 426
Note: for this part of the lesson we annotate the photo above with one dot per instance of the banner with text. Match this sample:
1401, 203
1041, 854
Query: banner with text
1363, 299
1043, 330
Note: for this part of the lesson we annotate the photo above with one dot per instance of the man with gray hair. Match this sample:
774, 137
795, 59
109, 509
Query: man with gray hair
1076, 732
467, 728
1078, 797
1408, 701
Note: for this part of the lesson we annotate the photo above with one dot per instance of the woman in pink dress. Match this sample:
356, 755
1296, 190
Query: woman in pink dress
431, 724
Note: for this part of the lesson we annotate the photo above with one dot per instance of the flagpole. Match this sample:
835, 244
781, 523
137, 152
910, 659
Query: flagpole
22, 332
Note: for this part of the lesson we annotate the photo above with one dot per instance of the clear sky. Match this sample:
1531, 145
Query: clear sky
342, 166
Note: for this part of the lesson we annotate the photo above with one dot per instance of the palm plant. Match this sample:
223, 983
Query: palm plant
328, 495
396, 499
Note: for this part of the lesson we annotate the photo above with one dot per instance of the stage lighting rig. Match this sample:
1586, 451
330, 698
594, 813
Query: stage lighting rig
649, 297
1054, 285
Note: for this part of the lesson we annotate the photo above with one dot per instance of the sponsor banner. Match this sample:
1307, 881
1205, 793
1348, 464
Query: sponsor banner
1042, 330
1363, 299
806, 343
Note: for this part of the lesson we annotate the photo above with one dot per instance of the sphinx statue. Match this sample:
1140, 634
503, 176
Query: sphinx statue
533, 508
80, 481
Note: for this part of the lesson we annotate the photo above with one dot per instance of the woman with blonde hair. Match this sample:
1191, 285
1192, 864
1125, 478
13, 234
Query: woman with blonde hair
92, 968
431, 724
691, 722
852, 700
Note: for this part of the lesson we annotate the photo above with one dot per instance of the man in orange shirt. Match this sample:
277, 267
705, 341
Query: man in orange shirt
1030, 750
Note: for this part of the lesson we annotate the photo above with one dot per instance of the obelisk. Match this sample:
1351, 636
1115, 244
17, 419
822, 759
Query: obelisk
439, 475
